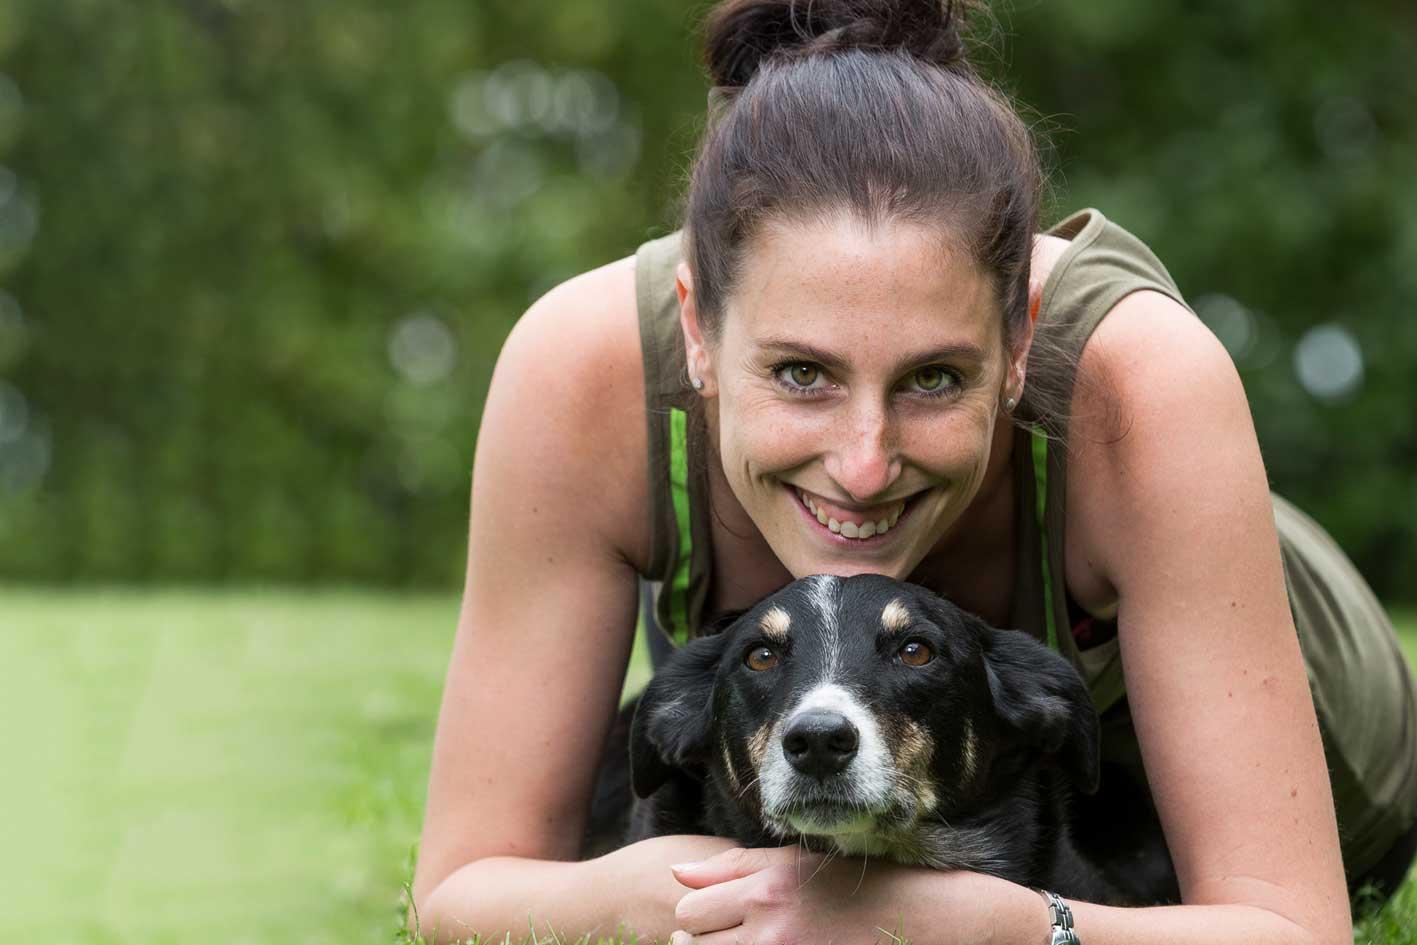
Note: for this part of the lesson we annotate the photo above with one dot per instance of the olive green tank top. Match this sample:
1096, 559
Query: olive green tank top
1363, 691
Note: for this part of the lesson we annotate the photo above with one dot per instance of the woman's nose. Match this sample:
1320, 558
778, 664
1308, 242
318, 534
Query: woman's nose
865, 462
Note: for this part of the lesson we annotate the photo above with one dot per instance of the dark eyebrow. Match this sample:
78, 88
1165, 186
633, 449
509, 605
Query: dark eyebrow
962, 351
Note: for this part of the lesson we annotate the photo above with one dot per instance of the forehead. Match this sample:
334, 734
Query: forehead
862, 286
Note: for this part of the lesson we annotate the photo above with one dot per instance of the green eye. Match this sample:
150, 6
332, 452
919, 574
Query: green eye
803, 375
931, 378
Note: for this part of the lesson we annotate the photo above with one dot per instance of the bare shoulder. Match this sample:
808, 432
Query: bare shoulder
1155, 388
1146, 360
570, 377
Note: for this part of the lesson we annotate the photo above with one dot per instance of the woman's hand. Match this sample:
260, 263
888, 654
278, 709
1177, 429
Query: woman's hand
784, 895
637, 882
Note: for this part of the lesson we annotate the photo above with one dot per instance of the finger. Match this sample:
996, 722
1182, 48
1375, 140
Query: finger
714, 908
728, 865
727, 937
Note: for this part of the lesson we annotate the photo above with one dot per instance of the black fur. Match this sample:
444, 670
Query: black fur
1004, 805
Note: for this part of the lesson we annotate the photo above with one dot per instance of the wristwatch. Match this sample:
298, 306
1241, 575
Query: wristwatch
1062, 918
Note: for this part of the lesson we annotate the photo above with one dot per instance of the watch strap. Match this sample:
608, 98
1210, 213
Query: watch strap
1061, 917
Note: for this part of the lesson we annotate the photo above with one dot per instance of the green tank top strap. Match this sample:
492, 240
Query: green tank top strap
1102, 264
679, 565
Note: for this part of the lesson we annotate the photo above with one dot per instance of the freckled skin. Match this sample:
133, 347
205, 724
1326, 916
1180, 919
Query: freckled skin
873, 297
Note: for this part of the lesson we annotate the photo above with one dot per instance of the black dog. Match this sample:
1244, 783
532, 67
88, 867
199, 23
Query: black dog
868, 716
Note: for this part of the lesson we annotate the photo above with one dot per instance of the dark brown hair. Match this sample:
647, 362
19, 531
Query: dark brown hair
867, 106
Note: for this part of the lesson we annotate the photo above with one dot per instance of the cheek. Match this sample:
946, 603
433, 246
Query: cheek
955, 439
762, 432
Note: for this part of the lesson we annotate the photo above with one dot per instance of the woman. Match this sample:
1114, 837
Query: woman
863, 319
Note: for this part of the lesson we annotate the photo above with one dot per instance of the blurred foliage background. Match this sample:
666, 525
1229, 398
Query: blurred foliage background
258, 259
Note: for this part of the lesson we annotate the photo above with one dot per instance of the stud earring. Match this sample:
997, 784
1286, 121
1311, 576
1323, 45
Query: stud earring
698, 383
1009, 404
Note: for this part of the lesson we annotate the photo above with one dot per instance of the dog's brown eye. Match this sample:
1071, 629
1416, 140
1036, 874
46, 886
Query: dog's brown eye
760, 658
916, 653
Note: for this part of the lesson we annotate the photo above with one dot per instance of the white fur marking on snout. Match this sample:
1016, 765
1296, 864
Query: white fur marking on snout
869, 776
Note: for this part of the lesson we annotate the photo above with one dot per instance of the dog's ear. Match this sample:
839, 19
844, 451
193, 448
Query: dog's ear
1042, 698
671, 725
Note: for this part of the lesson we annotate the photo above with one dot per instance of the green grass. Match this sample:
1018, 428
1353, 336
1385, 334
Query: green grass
246, 767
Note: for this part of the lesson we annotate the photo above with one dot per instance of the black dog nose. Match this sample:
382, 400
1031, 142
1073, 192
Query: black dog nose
820, 742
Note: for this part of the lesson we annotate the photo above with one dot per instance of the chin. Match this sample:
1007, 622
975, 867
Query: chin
803, 562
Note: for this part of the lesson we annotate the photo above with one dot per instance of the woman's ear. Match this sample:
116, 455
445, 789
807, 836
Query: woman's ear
1018, 363
697, 356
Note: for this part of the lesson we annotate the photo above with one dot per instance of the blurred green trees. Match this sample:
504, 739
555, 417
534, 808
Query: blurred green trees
258, 258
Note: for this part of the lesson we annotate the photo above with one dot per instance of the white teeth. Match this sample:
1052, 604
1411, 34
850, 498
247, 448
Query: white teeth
851, 529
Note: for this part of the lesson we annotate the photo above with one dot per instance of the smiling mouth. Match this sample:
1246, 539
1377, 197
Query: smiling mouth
869, 526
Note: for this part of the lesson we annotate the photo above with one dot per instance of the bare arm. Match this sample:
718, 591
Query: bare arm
558, 532
1174, 515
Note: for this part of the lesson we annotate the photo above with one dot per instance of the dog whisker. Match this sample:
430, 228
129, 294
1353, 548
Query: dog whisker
830, 855
747, 787
865, 858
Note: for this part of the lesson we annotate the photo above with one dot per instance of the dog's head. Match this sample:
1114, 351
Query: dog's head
859, 707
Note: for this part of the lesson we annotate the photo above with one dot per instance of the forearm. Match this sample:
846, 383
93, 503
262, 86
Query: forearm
493, 896
630, 889
983, 909
1194, 925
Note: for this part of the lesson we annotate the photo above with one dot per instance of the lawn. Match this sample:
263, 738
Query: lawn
239, 766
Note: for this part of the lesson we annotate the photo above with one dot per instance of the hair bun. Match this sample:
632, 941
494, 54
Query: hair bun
741, 34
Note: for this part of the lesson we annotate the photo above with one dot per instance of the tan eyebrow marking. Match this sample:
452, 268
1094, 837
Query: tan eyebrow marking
775, 624
895, 617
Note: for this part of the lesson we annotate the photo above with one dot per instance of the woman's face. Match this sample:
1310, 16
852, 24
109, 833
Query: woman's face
857, 378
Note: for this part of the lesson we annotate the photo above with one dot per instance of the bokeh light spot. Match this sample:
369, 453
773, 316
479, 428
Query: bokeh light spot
1329, 363
1232, 323
468, 107
19, 219
422, 349
24, 461
1345, 129
507, 173
518, 93
14, 414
